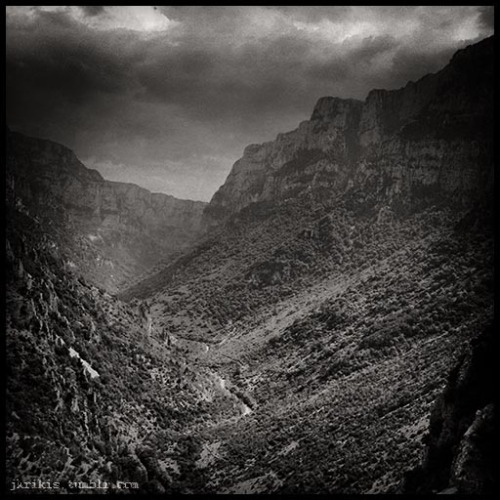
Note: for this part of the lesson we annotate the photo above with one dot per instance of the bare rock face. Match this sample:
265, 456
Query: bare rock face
115, 230
472, 463
460, 444
428, 142
314, 157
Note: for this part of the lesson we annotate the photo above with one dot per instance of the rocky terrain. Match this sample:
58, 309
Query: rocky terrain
460, 452
330, 334
340, 339
430, 140
115, 231
101, 389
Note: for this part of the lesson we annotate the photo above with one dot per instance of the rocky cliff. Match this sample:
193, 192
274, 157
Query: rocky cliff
429, 141
460, 451
114, 230
337, 327
317, 155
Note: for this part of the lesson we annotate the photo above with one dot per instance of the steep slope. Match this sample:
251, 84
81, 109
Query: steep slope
111, 231
350, 261
430, 140
90, 392
339, 335
460, 444
317, 156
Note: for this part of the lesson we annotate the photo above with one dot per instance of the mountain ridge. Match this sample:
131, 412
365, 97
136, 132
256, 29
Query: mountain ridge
107, 218
336, 150
304, 345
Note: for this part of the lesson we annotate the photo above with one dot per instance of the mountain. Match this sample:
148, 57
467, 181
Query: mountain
86, 382
429, 141
338, 328
350, 262
330, 333
112, 231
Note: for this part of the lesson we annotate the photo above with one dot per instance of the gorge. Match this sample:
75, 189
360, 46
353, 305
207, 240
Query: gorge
323, 325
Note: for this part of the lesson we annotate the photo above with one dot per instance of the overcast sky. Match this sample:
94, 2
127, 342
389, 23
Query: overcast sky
168, 97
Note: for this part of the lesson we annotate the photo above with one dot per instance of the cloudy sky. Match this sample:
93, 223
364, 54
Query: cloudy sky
168, 97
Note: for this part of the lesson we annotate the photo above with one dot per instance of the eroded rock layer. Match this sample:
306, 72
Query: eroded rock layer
429, 141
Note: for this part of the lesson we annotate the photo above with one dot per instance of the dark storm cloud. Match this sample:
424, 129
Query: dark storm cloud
209, 85
362, 55
190, 87
56, 53
486, 17
92, 10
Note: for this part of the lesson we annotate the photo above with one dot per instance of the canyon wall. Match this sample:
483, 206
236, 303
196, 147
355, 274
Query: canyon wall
116, 230
429, 142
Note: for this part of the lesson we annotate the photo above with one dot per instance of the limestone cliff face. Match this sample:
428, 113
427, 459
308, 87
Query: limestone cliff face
429, 141
117, 230
316, 156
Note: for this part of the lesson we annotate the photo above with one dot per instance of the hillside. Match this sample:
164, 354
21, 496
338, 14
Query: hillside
111, 231
351, 262
101, 389
351, 335
329, 333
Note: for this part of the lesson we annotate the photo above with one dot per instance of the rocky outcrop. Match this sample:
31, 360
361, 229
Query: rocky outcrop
460, 444
115, 230
317, 156
428, 142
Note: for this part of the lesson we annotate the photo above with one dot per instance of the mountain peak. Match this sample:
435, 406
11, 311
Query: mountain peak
347, 144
